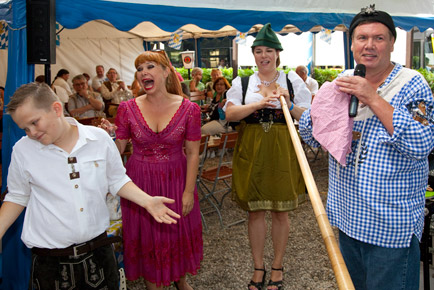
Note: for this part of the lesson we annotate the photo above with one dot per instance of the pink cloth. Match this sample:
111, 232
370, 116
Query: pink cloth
332, 127
160, 253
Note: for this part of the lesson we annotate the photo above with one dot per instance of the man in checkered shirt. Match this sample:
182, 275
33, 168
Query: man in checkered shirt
377, 200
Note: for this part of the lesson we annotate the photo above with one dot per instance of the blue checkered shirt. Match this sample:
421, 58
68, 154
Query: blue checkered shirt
382, 202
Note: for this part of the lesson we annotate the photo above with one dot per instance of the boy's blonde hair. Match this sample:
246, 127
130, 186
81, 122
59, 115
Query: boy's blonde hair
41, 94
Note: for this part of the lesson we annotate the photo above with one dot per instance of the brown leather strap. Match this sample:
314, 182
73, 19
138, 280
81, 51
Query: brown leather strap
80, 249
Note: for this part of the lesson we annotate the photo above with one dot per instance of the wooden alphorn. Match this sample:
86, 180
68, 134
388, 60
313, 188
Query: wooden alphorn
343, 278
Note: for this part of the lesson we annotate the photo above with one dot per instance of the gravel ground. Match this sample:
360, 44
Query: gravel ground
227, 262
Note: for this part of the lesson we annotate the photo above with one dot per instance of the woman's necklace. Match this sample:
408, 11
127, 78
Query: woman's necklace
267, 84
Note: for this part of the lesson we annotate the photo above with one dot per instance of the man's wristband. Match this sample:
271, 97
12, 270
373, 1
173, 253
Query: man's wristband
292, 106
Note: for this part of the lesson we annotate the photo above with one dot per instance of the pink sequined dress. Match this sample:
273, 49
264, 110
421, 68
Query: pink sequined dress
160, 253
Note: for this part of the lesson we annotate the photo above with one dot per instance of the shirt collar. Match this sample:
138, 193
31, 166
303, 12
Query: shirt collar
84, 136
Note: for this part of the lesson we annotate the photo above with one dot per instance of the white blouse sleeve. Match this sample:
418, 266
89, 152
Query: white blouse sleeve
235, 93
302, 95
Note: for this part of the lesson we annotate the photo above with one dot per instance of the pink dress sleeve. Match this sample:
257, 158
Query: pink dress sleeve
122, 121
192, 130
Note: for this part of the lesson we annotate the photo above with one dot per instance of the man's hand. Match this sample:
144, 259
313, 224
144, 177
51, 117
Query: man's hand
122, 86
359, 87
84, 94
368, 96
197, 78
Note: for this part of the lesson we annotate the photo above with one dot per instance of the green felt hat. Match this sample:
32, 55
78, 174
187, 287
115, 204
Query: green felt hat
267, 37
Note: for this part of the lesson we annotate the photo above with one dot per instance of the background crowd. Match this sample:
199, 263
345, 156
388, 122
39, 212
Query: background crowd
376, 198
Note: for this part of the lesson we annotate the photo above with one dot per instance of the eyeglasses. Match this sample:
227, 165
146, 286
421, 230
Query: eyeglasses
79, 84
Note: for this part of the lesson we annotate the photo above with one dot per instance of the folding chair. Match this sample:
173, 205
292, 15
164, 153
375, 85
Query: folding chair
202, 157
212, 207
309, 150
218, 178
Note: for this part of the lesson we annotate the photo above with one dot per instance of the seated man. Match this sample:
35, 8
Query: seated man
84, 103
98, 80
195, 84
215, 73
311, 83
114, 91
89, 81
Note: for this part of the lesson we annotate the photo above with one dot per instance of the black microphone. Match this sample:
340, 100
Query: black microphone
360, 71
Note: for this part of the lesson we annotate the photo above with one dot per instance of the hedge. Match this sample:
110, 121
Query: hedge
321, 75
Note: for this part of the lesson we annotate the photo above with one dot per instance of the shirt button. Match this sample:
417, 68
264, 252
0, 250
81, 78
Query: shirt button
76, 186
81, 209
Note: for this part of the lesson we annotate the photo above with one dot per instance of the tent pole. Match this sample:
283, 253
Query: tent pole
47, 70
311, 57
234, 59
343, 278
409, 49
197, 61
349, 59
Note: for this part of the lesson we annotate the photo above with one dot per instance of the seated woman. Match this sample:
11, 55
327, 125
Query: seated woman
217, 123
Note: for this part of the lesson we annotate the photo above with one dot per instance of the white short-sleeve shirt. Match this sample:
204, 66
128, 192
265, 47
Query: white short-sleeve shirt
62, 211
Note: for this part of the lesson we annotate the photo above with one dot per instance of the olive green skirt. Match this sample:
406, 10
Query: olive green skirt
266, 174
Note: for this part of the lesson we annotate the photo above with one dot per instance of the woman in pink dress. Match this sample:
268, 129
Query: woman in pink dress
164, 129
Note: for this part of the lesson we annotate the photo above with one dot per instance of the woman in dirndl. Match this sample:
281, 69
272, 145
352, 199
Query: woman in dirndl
266, 173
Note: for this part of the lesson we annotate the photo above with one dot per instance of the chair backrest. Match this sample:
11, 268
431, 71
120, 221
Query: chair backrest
202, 153
203, 144
111, 119
197, 96
228, 140
94, 121
87, 121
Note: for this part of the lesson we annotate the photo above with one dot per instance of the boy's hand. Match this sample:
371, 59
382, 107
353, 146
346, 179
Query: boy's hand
161, 213
110, 128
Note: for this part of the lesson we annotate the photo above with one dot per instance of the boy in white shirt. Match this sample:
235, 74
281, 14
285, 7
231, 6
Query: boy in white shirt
61, 171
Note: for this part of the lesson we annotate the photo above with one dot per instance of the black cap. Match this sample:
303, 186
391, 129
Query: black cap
369, 14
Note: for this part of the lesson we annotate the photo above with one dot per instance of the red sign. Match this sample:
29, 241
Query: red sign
187, 59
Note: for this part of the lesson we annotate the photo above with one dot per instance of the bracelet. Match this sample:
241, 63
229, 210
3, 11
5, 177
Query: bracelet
292, 106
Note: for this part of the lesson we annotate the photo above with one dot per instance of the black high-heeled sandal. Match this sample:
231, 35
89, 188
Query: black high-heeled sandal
176, 284
278, 284
258, 285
